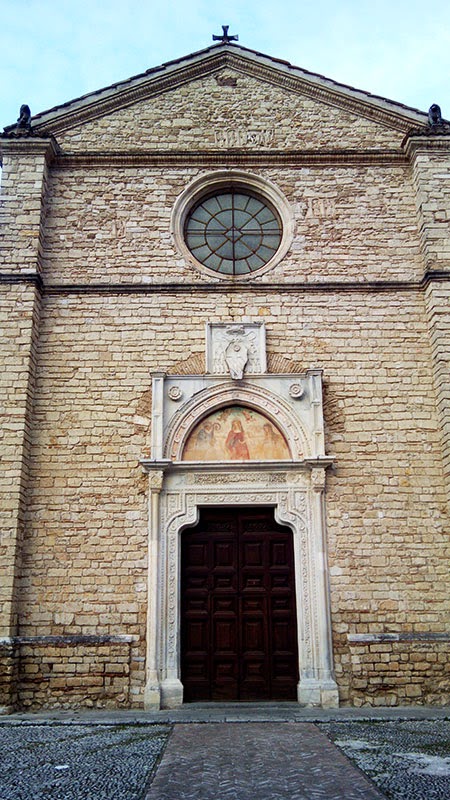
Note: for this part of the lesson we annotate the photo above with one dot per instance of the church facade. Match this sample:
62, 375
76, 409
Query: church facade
225, 385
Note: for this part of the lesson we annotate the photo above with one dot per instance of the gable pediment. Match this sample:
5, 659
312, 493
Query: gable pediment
227, 97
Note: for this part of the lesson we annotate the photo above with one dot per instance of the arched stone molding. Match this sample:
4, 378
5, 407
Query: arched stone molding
211, 399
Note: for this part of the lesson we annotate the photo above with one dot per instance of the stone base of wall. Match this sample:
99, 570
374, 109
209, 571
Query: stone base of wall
8, 676
107, 672
395, 670
72, 672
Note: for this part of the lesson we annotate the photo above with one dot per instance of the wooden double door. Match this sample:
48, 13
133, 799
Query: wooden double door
238, 609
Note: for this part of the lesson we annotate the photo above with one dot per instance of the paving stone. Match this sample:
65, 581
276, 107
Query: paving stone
268, 761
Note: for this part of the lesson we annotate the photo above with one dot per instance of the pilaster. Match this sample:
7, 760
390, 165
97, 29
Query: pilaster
25, 162
24, 177
429, 154
317, 686
152, 693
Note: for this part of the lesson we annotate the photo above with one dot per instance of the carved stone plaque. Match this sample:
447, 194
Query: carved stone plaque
236, 348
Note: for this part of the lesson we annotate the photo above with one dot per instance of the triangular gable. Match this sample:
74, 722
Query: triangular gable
227, 97
181, 71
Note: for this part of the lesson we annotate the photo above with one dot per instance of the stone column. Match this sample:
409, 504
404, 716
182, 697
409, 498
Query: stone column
430, 162
22, 215
152, 694
317, 685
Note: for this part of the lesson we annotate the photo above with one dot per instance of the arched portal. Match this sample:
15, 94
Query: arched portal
283, 483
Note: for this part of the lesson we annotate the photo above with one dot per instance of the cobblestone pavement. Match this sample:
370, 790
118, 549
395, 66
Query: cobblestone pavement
269, 761
408, 760
78, 762
262, 754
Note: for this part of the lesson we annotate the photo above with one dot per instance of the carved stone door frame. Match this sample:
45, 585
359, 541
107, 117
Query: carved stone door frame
293, 486
297, 495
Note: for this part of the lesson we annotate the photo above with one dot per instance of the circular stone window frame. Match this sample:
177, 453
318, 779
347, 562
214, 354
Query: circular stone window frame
224, 180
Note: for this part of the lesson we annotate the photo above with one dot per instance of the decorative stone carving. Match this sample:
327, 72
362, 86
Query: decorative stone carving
293, 486
434, 115
318, 479
236, 357
294, 506
296, 391
175, 393
302, 443
24, 117
155, 479
233, 348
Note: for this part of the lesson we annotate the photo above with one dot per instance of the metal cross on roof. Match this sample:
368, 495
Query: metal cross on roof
225, 38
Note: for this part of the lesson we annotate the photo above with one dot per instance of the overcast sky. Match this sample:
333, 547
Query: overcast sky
52, 51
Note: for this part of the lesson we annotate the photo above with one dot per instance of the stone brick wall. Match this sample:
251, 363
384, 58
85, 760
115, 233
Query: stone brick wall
19, 320
85, 552
67, 672
22, 211
395, 673
430, 157
114, 225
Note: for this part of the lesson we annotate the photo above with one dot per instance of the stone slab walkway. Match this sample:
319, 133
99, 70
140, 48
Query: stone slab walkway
256, 761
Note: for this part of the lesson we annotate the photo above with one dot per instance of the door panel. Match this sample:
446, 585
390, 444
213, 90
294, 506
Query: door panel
238, 615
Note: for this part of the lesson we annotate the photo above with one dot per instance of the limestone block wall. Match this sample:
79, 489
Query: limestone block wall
24, 176
430, 158
350, 223
71, 671
19, 320
438, 307
85, 551
116, 301
402, 671
22, 209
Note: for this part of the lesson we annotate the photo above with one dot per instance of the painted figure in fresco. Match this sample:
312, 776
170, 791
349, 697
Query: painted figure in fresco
205, 440
235, 442
273, 444
205, 436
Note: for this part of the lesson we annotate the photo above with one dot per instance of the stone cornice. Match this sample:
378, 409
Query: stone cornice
234, 157
263, 68
257, 287
128, 96
352, 101
436, 276
431, 276
431, 142
29, 145
22, 277
149, 465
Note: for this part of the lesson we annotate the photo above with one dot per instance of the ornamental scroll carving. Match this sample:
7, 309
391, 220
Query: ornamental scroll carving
291, 509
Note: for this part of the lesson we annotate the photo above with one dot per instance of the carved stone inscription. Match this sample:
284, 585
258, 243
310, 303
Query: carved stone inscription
318, 207
244, 137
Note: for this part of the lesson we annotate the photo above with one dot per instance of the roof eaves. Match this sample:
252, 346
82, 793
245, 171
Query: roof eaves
393, 106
